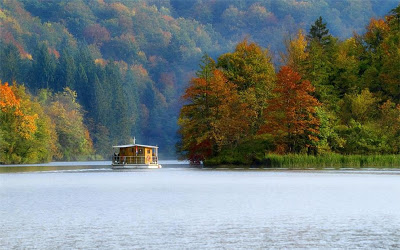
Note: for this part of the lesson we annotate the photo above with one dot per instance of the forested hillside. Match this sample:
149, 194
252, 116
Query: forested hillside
129, 62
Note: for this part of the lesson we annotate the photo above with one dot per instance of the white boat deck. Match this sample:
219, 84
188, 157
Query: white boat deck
135, 166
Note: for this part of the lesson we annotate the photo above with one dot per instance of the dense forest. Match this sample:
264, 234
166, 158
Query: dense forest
329, 96
79, 76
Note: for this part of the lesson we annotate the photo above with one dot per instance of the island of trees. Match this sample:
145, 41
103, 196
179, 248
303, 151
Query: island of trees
332, 102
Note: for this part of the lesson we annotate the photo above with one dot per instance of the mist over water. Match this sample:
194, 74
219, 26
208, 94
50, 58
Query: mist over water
180, 208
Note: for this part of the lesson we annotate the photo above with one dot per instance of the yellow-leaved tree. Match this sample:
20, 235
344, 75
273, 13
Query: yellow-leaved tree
73, 138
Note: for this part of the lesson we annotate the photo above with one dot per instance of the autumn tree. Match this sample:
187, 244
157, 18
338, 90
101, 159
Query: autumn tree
291, 115
72, 135
250, 68
296, 53
27, 134
17, 125
96, 34
390, 71
214, 117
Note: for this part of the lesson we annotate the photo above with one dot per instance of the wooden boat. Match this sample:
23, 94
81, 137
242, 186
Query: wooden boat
134, 155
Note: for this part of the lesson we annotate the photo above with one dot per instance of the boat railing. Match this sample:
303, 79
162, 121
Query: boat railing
134, 159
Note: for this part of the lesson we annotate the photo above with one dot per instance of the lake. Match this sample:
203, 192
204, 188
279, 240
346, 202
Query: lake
176, 207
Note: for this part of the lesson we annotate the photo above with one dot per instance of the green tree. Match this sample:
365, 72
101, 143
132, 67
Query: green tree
10, 63
43, 68
361, 107
389, 125
320, 62
66, 70
394, 18
319, 33
361, 139
119, 126
346, 78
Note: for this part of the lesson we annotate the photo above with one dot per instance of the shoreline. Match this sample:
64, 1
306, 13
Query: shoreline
83, 163
300, 161
228, 167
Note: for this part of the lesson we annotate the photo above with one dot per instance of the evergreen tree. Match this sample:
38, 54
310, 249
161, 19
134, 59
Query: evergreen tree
319, 33
119, 123
320, 62
66, 70
131, 89
43, 68
394, 18
10, 65
84, 77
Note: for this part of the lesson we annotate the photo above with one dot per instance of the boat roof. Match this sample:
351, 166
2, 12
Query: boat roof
134, 145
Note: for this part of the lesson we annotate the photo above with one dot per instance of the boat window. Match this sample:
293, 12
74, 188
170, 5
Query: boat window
148, 151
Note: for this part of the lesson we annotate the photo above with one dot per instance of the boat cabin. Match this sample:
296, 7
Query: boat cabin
135, 155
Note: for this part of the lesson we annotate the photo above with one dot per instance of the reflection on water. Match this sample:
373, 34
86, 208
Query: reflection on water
177, 208
18, 169
80, 165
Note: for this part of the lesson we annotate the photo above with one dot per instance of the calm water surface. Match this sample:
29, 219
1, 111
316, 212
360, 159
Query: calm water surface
179, 208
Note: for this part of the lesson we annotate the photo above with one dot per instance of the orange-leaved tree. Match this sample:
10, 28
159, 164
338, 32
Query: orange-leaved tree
12, 111
213, 117
291, 115
26, 133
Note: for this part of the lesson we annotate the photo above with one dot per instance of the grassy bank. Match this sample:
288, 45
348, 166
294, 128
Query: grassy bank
300, 161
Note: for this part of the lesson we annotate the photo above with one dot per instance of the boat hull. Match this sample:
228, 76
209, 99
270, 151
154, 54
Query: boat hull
135, 166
